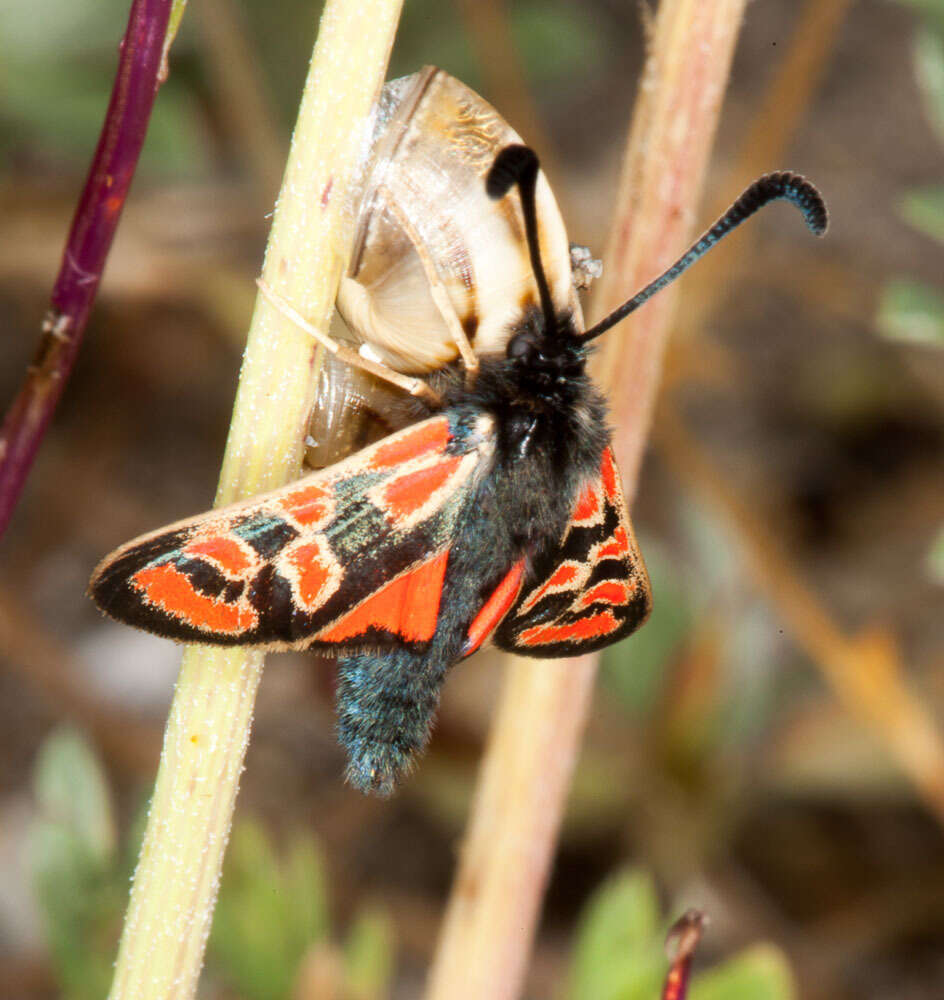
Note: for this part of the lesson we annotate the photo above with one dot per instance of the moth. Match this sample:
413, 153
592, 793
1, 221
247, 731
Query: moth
495, 516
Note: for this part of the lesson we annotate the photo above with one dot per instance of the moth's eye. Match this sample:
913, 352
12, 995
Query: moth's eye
521, 348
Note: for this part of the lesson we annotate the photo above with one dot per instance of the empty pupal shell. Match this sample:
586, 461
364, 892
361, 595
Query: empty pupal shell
423, 208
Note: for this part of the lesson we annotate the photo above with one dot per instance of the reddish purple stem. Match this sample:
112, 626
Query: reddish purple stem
93, 228
680, 943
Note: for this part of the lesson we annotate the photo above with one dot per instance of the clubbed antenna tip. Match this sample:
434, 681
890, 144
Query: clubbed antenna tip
795, 188
512, 165
783, 184
519, 165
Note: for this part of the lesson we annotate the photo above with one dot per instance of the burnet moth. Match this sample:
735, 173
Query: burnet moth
497, 517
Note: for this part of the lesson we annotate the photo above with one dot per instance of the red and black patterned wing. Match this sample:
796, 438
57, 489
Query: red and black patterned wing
349, 557
593, 590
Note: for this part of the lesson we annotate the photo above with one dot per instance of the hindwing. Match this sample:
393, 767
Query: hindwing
350, 557
589, 591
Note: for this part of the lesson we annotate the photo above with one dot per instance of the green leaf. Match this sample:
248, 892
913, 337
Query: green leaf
72, 794
368, 956
555, 41
54, 30
173, 26
618, 951
935, 558
911, 312
759, 973
923, 208
269, 912
931, 10
72, 852
929, 70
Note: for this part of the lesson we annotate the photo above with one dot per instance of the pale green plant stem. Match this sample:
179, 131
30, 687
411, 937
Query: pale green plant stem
207, 732
490, 921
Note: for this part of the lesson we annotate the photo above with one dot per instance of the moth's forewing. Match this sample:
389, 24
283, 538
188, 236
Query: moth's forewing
353, 556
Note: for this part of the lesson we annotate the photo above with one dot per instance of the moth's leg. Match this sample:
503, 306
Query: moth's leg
386, 704
436, 287
414, 386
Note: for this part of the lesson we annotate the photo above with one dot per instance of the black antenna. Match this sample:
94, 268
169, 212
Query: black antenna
519, 165
794, 188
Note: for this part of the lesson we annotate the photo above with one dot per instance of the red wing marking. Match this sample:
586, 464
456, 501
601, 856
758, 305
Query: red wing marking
308, 505
405, 494
581, 630
610, 476
616, 549
565, 577
588, 507
314, 573
225, 551
431, 436
172, 591
494, 609
616, 592
407, 606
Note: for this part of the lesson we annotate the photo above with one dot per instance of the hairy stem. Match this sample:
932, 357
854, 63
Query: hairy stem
175, 885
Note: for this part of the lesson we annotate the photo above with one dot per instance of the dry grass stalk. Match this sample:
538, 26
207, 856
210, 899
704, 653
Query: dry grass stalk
175, 885
489, 925
242, 97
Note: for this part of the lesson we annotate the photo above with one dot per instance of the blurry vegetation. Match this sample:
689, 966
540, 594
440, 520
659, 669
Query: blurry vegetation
911, 310
271, 928
632, 670
271, 937
936, 559
80, 875
57, 61
717, 758
554, 40
619, 953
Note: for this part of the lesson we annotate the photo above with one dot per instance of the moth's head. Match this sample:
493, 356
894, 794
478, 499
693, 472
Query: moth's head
539, 356
525, 345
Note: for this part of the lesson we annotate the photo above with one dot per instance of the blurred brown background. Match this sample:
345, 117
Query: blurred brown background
771, 746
